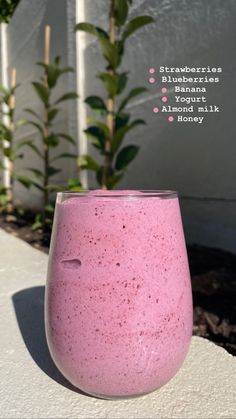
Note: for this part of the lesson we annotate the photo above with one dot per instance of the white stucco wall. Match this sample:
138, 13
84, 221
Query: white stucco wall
196, 160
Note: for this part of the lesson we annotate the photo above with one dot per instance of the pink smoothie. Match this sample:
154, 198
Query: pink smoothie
118, 300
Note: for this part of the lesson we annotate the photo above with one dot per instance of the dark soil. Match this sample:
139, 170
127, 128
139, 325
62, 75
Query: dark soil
20, 226
213, 274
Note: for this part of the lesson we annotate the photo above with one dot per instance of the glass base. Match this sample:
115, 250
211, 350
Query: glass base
125, 397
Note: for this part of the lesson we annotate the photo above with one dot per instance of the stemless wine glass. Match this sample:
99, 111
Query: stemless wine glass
118, 295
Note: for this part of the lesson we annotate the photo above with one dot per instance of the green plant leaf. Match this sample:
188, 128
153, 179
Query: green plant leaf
8, 152
113, 180
4, 90
37, 224
54, 188
103, 127
87, 27
20, 123
65, 155
135, 24
66, 96
30, 144
121, 132
52, 140
121, 120
49, 208
53, 171
38, 126
96, 135
52, 73
67, 70
137, 122
102, 33
36, 172
76, 189
32, 112
42, 92
110, 82
52, 114
6, 99
7, 93
11, 113
91, 29
96, 103
125, 156
121, 12
115, 83
57, 60
74, 185
37, 185
35, 148
133, 93
120, 48
121, 82
24, 180
118, 138
5, 133
110, 52
87, 162
66, 137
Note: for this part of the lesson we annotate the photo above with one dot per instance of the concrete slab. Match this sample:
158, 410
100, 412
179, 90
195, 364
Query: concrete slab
31, 386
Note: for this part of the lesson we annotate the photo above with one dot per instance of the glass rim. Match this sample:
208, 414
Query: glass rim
161, 194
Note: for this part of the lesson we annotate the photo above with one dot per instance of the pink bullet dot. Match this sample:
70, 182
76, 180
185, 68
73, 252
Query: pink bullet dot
171, 119
152, 70
155, 109
163, 90
152, 80
164, 99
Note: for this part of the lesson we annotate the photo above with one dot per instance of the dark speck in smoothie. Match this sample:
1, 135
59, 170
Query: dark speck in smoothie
71, 263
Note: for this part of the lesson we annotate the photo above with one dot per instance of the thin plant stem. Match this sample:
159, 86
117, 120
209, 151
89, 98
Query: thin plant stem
47, 37
110, 105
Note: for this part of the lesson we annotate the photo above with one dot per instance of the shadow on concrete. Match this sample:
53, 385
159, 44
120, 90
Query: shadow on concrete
29, 308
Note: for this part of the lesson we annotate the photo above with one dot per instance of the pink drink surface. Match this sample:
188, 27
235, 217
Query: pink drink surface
118, 300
